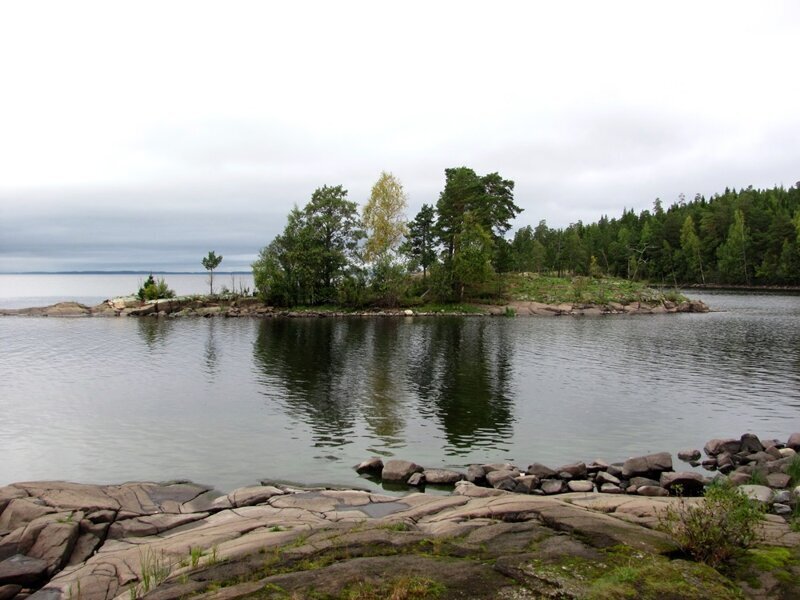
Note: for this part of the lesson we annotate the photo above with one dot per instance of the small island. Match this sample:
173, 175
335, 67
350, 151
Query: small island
521, 294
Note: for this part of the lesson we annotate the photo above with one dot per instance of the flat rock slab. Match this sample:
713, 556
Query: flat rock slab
22, 570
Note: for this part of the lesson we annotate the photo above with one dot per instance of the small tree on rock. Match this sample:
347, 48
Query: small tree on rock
210, 263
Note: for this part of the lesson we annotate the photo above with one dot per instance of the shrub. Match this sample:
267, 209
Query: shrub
153, 290
794, 470
717, 529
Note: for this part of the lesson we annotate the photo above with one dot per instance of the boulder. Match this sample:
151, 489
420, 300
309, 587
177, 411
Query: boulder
778, 480
787, 452
476, 474
371, 466
781, 509
759, 493
710, 464
778, 453
540, 471
575, 470
760, 457
553, 486
580, 485
603, 477
22, 570
796, 492
720, 445
782, 497
641, 482
495, 478
417, 480
750, 444
399, 470
526, 484
610, 488
597, 465
725, 463
690, 482
442, 476
642, 465
689, 455
615, 469
124, 302
739, 477
652, 491
794, 441
778, 466
498, 467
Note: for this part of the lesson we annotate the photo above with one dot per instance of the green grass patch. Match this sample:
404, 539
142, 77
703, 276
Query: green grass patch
531, 287
794, 470
397, 588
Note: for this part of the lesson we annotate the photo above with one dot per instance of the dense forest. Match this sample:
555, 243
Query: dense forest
746, 237
457, 249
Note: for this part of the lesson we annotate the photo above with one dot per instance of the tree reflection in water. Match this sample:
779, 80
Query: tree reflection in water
341, 375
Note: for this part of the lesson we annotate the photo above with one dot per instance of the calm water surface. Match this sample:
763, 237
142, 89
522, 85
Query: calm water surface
228, 402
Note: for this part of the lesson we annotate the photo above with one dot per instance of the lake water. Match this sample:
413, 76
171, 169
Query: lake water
231, 401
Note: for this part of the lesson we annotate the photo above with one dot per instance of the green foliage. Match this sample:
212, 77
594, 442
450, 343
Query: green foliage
153, 289
793, 470
732, 254
489, 199
472, 261
195, 554
315, 253
737, 237
154, 567
210, 263
716, 530
388, 282
420, 244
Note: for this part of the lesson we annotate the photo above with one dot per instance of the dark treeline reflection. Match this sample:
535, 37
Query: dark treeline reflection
380, 374
154, 332
460, 371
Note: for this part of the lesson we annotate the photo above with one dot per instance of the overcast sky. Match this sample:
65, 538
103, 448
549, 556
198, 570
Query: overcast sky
141, 135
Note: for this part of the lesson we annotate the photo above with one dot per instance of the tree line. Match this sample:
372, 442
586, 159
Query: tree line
332, 253
745, 237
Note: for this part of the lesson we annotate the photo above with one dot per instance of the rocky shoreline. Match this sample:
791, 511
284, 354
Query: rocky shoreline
503, 535
761, 469
194, 306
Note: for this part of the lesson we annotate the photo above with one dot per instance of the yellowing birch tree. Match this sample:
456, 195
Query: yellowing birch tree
384, 217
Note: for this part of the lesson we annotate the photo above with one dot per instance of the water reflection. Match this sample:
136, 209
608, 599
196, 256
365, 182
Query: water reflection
461, 373
316, 364
382, 404
379, 374
211, 350
154, 331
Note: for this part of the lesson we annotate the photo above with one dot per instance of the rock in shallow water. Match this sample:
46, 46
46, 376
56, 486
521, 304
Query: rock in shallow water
398, 471
689, 455
642, 465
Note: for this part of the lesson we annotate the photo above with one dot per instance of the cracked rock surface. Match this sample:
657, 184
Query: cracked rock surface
166, 541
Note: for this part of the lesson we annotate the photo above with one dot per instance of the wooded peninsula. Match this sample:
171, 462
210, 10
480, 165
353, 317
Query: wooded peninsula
459, 250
